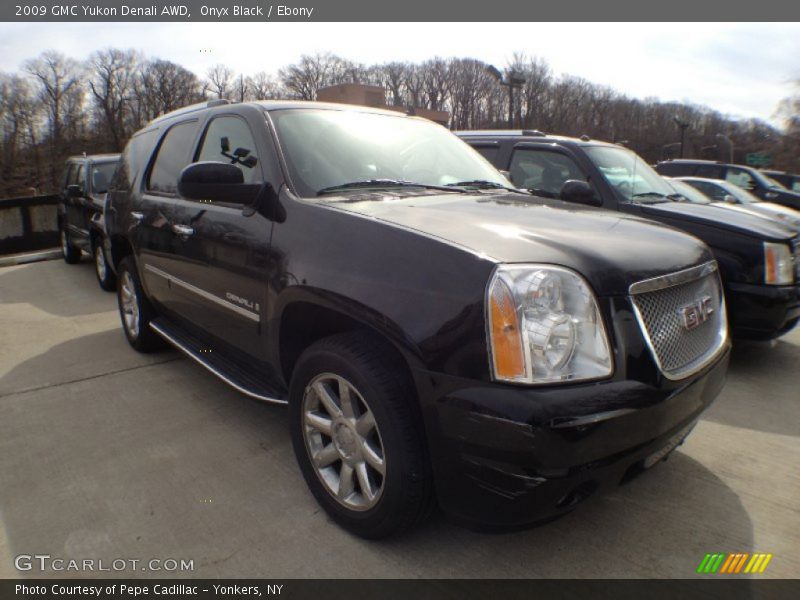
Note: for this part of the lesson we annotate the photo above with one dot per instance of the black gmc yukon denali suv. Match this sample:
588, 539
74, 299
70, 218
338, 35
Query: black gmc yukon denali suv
437, 335
759, 258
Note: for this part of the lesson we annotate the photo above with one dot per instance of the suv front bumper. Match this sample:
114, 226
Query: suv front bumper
762, 312
506, 456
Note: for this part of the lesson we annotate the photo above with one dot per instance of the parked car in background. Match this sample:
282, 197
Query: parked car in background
747, 178
80, 211
432, 330
759, 258
790, 181
724, 191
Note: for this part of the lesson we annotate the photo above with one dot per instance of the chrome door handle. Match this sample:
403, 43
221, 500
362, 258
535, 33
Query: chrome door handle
182, 230
137, 217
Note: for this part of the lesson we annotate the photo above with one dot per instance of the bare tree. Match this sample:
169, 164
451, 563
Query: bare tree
57, 78
263, 86
112, 82
220, 80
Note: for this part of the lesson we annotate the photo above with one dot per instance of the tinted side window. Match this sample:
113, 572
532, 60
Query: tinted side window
134, 158
68, 174
710, 171
542, 171
80, 177
173, 155
229, 139
489, 153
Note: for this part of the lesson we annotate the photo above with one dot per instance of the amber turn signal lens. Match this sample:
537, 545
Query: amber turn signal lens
509, 362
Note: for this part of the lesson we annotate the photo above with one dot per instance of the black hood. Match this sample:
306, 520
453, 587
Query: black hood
736, 221
610, 249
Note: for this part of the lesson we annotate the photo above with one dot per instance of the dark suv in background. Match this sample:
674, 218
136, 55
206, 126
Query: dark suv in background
434, 332
748, 178
790, 181
759, 259
80, 211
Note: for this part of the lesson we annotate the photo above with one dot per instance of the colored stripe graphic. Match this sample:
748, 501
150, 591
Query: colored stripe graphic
734, 563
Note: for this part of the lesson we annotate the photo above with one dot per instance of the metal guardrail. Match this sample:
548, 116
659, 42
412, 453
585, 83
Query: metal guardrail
28, 224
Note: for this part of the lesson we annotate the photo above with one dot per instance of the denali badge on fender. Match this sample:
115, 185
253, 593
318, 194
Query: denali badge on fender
697, 312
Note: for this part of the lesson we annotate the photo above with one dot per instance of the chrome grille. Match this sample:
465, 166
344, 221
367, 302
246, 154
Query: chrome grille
796, 255
682, 316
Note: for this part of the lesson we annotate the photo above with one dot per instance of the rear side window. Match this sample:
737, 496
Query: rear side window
134, 158
709, 171
173, 155
229, 140
68, 174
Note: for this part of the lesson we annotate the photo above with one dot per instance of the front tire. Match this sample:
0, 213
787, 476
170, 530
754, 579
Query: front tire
71, 254
358, 437
135, 310
105, 276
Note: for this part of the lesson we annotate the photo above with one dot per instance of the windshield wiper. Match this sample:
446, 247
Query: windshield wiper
484, 184
383, 183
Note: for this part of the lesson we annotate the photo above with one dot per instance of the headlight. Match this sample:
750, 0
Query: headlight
544, 326
778, 264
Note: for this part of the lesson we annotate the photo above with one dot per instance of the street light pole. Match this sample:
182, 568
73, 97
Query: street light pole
683, 126
511, 80
728, 141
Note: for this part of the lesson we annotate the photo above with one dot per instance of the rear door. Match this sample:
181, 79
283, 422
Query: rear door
161, 250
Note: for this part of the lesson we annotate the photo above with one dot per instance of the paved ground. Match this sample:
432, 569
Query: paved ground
106, 453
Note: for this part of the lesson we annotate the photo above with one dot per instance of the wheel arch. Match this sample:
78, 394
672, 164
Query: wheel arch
308, 318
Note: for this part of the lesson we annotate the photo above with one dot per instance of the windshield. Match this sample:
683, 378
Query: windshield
101, 176
692, 194
742, 196
630, 176
330, 148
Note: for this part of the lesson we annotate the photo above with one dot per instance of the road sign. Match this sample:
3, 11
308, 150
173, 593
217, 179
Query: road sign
758, 159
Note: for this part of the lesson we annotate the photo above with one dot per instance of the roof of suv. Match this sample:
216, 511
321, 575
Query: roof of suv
277, 105
531, 134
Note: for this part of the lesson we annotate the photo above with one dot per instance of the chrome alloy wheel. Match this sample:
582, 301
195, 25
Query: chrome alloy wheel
130, 306
343, 442
100, 262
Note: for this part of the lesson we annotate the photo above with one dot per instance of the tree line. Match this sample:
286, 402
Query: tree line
56, 106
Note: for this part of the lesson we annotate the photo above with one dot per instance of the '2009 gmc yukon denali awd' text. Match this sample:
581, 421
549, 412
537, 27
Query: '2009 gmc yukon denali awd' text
437, 335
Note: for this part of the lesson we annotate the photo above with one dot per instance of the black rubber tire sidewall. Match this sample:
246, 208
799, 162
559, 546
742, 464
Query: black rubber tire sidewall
147, 340
70, 254
407, 493
109, 283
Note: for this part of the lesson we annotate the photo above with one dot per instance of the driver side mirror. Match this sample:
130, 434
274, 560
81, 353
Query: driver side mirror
729, 199
579, 192
223, 182
74, 191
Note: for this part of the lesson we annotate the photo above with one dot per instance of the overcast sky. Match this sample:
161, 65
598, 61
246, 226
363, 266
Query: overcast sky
741, 69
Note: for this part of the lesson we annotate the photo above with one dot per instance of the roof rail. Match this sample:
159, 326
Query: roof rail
534, 132
192, 108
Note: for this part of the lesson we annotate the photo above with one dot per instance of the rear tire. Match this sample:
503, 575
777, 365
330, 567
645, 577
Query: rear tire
105, 276
71, 254
135, 310
353, 408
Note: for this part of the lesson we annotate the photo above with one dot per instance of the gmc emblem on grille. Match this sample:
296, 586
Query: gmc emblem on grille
696, 313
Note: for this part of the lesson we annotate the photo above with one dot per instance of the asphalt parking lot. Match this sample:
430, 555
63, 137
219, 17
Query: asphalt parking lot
106, 453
